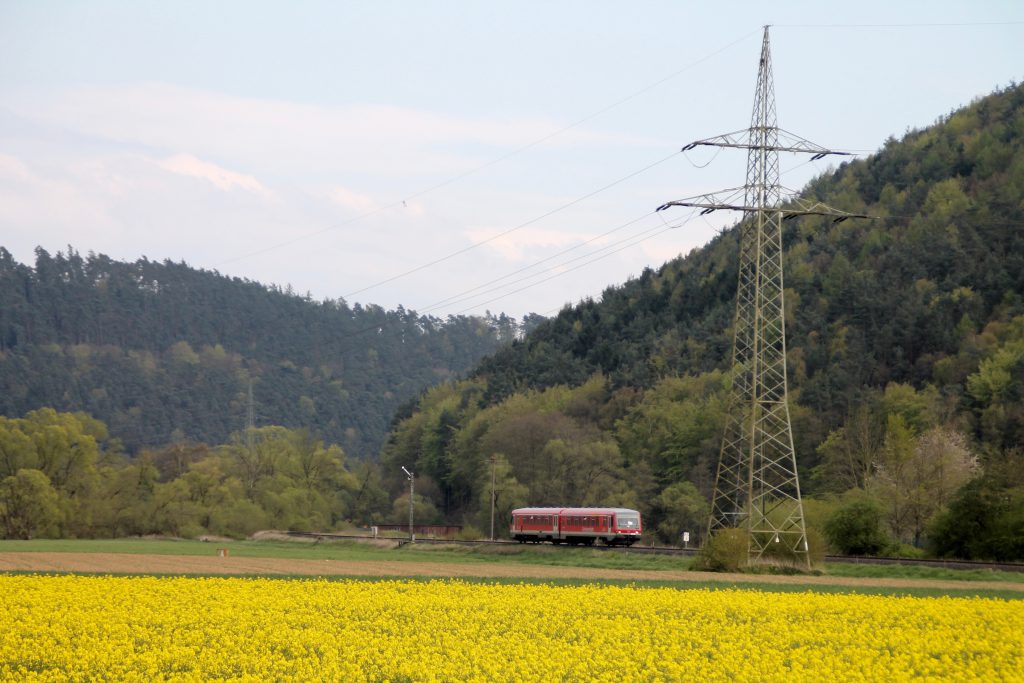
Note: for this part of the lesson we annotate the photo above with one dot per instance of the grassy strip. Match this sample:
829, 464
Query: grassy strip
357, 550
965, 592
335, 550
504, 554
551, 556
900, 571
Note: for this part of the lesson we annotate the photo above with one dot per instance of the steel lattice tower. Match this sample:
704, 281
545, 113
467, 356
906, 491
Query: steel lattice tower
757, 487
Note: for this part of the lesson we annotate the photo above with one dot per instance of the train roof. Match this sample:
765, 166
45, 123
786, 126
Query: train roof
573, 511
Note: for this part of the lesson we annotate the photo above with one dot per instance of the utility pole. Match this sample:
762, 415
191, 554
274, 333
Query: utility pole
756, 485
494, 460
412, 478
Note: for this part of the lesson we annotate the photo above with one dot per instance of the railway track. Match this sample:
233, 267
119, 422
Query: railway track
686, 552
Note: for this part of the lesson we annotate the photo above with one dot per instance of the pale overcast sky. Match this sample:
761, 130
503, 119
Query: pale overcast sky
333, 146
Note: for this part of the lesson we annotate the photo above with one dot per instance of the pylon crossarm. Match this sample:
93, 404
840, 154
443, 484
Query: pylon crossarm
753, 138
732, 199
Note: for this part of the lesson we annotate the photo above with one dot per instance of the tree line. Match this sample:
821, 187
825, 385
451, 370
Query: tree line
63, 476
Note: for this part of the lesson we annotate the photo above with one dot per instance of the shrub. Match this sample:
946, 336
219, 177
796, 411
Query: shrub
725, 551
856, 529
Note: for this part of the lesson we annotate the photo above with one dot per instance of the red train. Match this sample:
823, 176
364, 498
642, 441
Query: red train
611, 526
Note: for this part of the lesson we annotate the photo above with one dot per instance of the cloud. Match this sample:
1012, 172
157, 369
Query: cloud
13, 169
262, 135
350, 199
188, 165
267, 189
517, 245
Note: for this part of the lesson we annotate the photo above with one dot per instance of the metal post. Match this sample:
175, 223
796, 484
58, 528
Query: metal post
411, 476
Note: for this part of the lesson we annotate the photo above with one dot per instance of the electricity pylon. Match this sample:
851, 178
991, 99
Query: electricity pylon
756, 486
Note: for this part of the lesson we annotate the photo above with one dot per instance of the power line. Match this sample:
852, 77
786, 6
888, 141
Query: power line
438, 304
462, 296
461, 299
536, 219
568, 270
949, 24
476, 169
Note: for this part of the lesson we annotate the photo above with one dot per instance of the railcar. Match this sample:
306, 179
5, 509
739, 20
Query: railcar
575, 526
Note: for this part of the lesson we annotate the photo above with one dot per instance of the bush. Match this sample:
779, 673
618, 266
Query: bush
985, 521
905, 550
725, 551
856, 529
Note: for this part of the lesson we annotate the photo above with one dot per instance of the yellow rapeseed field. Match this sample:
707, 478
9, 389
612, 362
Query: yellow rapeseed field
60, 628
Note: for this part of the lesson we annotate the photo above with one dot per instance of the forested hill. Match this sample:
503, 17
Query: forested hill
906, 336
163, 352
897, 294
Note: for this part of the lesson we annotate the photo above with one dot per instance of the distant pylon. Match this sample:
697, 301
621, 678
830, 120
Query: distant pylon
757, 487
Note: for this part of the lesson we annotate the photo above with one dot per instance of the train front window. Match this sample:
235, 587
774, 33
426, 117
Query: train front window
629, 521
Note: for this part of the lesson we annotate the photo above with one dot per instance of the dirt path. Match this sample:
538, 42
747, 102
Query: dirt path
101, 563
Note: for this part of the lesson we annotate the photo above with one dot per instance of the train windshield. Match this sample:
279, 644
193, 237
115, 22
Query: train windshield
628, 521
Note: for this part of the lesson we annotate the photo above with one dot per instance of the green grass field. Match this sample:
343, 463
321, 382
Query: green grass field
534, 555
914, 572
356, 550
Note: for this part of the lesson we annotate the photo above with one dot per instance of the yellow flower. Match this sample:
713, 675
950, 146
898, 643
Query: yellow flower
58, 628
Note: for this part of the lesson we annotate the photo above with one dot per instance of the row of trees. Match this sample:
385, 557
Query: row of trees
900, 475
61, 475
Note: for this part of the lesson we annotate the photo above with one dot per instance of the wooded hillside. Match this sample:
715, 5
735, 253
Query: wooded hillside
161, 352
906, 366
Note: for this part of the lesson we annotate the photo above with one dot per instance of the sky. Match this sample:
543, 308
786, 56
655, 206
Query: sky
449, 157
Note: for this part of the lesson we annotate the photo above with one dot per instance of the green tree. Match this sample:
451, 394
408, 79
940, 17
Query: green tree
849, 453
675, 428
856, 528
682, 508
985, 521
16, 448
509, 494
124, 497
29, 505
424, 511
